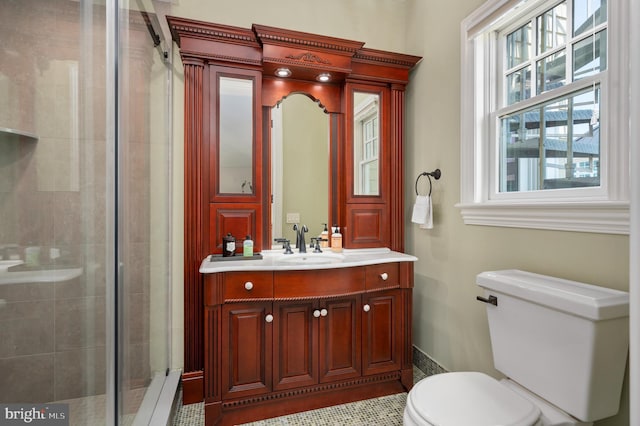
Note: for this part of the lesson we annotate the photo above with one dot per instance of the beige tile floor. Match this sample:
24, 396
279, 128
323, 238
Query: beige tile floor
383, 411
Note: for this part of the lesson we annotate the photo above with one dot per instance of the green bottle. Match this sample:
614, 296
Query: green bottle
247, 247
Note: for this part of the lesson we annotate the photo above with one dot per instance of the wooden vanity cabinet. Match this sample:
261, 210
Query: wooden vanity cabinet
246, 349
279, 342
223, 62
381, 332
295, 349
316, 342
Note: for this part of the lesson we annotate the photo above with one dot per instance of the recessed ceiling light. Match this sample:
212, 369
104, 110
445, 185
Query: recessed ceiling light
324, 77
283, 72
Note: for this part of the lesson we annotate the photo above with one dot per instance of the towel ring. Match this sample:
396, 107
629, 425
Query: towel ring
436, 175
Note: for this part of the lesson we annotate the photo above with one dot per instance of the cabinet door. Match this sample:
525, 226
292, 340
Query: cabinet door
246, 349
339, 339
381, 333
295, 344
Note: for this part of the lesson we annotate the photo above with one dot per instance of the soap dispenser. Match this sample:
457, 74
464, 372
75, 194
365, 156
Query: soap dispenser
324, 237
247, 247
336, 239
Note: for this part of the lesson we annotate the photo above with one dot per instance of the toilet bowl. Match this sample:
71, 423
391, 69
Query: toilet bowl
561, 344
476, 399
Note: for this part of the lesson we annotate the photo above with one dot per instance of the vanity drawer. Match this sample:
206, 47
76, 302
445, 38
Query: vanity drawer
382, 275
248, 285
318, 283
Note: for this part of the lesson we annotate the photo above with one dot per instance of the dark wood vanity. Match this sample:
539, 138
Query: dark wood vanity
242, 366
279, 342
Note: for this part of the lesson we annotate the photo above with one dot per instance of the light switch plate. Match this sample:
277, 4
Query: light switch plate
293, 217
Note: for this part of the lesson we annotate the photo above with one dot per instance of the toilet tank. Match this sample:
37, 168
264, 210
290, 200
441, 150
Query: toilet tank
563, 340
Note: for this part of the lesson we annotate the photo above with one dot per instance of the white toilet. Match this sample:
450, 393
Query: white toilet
562, 345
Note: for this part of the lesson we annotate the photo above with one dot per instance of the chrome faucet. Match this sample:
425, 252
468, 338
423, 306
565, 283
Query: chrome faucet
300, 242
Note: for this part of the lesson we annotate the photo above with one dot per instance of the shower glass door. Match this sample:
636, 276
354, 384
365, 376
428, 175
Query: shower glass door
143, 206
84, 208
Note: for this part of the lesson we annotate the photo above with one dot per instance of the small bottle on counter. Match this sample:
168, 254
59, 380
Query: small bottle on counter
247, 247
324, 237
228, 245
336, 239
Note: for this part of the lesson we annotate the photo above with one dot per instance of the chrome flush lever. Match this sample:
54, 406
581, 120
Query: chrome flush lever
492, 299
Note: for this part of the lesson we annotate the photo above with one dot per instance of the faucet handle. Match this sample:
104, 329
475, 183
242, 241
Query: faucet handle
315, 242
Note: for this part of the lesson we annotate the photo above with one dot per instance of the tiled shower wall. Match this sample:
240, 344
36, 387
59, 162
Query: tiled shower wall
53, 194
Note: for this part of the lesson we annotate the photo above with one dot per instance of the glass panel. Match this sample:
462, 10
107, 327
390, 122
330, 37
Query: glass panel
366, 143
519, 46
235, 119
143, 209
584, 152
554, 136
519, 151
561, 153
52, 203
552, 71
552, 28
590, 56
519, 85
587, 14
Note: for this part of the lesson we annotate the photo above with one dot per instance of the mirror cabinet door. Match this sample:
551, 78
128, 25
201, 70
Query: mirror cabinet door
368, 160
236, 135
233, 139
366, 143
234, 129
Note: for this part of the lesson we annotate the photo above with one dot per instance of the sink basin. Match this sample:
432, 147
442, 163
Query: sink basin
309, 258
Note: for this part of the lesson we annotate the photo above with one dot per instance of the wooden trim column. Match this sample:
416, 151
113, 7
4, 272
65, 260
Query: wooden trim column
193, 238
397, 167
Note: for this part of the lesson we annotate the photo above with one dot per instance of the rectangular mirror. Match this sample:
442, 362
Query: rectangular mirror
366, 143
235, 121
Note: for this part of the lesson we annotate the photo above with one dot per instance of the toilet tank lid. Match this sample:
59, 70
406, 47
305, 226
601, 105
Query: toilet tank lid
585, 300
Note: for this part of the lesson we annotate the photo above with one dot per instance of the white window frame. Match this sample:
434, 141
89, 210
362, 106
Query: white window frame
604, 209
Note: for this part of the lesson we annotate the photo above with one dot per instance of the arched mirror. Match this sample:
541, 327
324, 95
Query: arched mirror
300, 145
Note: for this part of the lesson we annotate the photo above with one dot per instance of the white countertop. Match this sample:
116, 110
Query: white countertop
276, 260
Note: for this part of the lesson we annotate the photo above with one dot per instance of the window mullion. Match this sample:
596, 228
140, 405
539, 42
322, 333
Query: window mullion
569, 43
534, 55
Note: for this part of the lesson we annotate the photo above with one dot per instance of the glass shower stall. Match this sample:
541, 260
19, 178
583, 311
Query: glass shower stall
85, 208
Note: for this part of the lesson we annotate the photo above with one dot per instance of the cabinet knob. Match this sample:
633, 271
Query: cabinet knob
268, 318
384, 276
324, 312
316, 313
366, 308
248, 285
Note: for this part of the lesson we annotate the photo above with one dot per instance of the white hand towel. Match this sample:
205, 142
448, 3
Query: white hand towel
422, 212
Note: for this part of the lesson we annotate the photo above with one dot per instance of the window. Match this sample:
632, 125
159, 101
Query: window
545, 143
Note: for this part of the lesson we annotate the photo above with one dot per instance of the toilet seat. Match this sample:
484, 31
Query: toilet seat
467, 399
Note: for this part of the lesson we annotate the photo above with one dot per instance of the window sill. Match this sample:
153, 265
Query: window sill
597, 217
